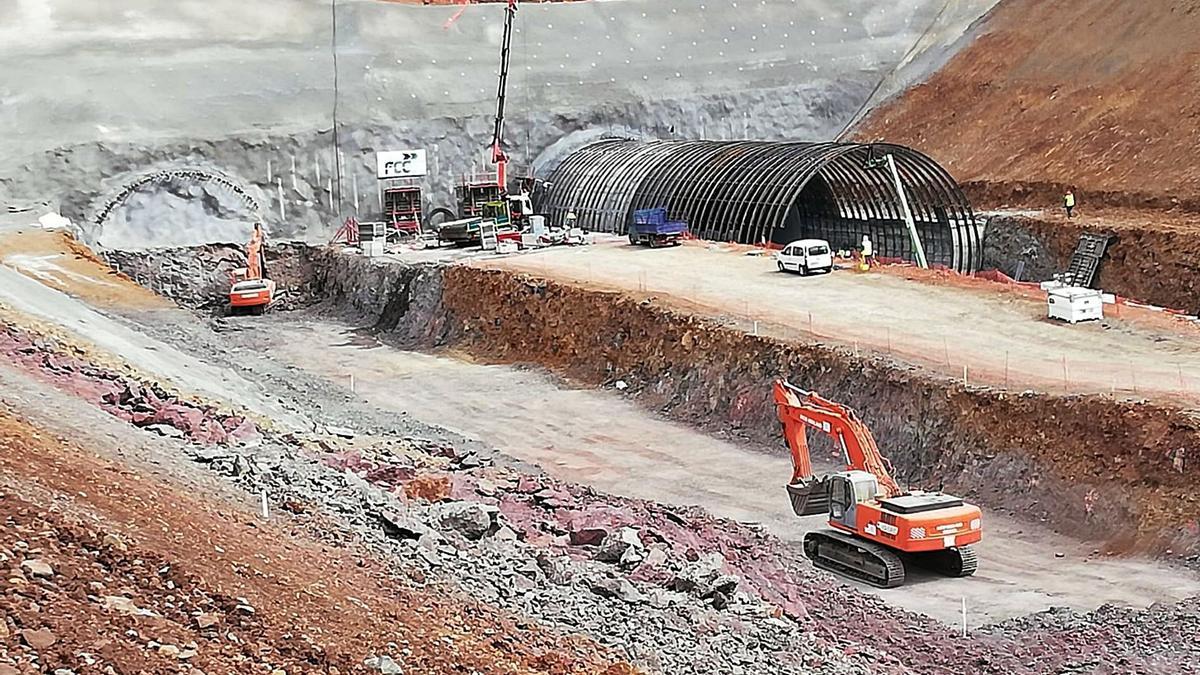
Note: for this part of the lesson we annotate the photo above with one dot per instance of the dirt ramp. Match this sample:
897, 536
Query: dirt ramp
1088, 465
56, 259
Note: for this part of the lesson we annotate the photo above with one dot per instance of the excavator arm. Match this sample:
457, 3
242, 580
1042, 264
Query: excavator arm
800, 410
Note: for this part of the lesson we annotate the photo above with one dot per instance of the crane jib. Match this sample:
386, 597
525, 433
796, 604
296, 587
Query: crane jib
502, 86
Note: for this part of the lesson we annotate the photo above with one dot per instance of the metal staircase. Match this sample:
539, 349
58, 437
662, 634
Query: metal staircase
1086, 259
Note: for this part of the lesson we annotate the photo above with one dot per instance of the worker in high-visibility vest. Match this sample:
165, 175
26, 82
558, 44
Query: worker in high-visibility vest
254, 254
868, 251
1069, 201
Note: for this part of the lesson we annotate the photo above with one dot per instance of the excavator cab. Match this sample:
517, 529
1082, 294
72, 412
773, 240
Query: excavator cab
836, 495
846, 491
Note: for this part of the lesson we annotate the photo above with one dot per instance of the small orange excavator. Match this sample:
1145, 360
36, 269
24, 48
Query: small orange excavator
252, 291
876, 525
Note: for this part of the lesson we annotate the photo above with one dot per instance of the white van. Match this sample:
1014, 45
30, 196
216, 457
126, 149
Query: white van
804, 256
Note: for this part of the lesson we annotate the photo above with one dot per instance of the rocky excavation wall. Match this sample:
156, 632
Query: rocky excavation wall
1158, 265
198, 277
1087, 465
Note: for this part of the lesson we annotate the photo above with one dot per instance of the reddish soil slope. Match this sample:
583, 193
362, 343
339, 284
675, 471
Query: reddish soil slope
1102, 94
112, 567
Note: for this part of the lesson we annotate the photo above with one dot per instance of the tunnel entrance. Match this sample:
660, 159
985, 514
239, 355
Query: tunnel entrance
174, 207
818, 214
757, 192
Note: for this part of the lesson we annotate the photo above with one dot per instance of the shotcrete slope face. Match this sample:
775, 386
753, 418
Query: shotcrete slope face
115, 89
181, 212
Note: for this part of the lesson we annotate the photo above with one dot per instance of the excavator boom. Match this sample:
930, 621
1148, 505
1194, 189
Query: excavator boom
800, 410
252, 290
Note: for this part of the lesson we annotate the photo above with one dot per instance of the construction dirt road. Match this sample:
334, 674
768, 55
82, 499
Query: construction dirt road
570, 432
998, 338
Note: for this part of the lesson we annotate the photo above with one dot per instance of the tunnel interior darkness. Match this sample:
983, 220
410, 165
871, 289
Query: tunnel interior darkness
757, 192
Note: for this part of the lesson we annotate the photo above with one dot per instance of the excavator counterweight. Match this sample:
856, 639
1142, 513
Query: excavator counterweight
876, 525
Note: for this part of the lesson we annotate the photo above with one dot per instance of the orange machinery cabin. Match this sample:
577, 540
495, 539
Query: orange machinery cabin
914, 522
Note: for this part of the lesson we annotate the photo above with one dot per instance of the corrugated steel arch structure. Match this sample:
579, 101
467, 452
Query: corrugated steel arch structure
760, 191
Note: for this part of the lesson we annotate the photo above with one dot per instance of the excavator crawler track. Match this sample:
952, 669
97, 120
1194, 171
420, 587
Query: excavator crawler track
855, 558
951, 562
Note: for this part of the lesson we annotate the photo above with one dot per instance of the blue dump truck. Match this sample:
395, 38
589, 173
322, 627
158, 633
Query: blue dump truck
650, 227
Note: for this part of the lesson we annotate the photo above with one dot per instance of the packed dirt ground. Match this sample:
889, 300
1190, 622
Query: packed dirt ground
568, 431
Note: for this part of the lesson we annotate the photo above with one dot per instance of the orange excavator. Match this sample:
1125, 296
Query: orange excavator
252, 291
876, 526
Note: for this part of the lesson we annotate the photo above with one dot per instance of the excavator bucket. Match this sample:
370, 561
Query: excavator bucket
810, 496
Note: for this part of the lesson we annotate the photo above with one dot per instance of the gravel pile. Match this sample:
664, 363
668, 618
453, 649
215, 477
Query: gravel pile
1159, 639
696, 620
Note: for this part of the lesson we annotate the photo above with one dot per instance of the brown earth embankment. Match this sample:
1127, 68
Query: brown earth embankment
1098, 94
1087, 465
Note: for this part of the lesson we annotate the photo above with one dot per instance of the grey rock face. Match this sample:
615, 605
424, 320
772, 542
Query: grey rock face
638, 68
383, 664
469, 519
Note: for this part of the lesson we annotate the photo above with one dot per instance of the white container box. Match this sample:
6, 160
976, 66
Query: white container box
1074, 304
537, 225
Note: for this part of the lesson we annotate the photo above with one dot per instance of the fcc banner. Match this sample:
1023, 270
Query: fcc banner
400, 164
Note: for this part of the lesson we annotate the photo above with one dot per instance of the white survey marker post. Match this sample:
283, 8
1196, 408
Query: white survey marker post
400, 164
